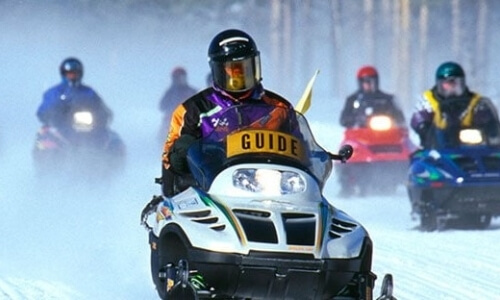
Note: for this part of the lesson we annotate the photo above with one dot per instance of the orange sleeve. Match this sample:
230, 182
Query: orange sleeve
277, 115
174, 132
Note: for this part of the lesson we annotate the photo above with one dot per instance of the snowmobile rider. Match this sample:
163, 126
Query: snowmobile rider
59, 100
235, 67
369, 99
450, 106
178, 91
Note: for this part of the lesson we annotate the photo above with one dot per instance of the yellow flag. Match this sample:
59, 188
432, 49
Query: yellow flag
305, 101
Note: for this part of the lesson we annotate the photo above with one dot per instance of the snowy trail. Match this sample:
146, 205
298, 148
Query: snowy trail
452, 264
438, 266
22, 289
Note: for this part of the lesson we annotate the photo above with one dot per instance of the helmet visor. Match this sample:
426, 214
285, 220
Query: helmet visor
237, 75
72, 77
368, 84
451, 86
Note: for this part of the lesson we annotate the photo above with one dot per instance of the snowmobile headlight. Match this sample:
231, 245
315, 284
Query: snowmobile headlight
83, 121
380, 123
268, 181
470, 136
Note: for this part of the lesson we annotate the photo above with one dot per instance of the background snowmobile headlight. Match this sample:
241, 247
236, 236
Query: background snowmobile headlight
268, 181
470, 136
380, 123
83, 121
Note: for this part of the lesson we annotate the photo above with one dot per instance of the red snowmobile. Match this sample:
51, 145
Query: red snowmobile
381, 153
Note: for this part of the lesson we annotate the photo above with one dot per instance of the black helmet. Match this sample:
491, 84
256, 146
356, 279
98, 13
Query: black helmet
71, 70
450, 79
234, 61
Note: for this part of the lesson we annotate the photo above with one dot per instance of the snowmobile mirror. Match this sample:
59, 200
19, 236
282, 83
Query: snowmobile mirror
345, 153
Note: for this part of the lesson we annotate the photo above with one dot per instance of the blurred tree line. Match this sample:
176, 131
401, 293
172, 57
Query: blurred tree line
406, 40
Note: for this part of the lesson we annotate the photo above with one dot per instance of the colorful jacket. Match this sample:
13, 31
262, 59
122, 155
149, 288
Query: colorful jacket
201, 114
469, 110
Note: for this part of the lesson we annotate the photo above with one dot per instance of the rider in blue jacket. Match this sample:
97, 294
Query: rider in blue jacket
61, 100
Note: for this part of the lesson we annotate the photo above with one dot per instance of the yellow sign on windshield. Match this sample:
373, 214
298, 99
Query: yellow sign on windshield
264, 141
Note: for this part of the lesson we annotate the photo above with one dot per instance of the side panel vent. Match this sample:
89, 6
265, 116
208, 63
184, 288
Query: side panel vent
467, 164
300, 228
200, 213
339, 228
218, 227
205, 217
206, 220
491, 163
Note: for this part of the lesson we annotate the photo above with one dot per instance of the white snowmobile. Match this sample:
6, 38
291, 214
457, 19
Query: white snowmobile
256, 225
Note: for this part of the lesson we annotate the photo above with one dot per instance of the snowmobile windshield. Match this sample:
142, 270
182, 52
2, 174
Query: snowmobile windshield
254, 133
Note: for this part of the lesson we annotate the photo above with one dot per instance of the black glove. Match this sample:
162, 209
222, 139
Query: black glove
177, 156
167, 182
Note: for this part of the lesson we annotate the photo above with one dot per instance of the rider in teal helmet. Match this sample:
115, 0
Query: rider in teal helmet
450, 106
450, 80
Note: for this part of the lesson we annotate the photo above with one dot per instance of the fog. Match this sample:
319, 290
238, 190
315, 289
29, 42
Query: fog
76, 234
83, 240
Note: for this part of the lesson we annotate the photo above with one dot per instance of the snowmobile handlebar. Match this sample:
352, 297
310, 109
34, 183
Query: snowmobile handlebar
344, 154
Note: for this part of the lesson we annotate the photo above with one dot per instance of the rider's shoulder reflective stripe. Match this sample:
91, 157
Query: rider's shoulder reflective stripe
438, 120
469, 113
